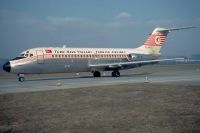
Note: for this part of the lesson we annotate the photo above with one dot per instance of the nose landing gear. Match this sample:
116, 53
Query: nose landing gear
21, 77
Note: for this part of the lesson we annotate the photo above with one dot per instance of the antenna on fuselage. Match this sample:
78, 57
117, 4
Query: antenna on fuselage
64, 46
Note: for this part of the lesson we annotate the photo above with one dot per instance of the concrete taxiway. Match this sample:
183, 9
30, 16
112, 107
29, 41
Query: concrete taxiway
41, 83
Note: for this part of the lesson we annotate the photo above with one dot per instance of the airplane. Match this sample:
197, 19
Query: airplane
63, 60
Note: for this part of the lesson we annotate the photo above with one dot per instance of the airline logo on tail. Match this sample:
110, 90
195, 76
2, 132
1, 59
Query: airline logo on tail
155, 40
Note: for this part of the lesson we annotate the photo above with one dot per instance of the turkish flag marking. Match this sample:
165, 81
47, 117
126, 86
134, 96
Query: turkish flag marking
48, 50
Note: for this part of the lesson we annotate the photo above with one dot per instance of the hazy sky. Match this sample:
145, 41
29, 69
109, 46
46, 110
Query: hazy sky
27, 24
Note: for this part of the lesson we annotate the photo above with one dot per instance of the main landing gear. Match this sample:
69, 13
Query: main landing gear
115, 73
96, 74
21, 77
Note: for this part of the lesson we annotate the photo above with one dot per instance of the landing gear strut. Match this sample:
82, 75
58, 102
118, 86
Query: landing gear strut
96, 74
21, 77
115, 73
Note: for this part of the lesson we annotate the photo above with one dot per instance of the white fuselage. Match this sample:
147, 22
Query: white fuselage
58, 60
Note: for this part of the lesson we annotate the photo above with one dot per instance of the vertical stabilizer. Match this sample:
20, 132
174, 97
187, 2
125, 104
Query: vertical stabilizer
157, 37
156, 40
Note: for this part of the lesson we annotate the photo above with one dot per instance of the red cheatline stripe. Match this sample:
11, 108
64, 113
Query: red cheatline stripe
34, 58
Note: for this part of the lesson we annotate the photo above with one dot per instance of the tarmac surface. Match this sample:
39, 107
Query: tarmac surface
79, 103
56, 81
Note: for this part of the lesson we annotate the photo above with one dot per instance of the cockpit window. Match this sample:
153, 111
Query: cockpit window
21, 56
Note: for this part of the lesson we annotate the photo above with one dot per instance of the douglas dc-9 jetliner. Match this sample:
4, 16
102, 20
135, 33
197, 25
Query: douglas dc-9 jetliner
61, 60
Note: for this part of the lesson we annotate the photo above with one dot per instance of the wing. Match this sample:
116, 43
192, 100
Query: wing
126, 65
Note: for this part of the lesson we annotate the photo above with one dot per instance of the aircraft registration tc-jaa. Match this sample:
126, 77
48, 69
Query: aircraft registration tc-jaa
63, 60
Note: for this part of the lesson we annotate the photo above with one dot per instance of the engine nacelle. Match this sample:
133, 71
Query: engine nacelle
132, 57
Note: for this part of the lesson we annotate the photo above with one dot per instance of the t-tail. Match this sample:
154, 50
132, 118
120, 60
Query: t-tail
156, 40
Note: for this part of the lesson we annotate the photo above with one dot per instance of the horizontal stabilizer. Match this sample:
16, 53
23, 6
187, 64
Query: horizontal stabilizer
173, 29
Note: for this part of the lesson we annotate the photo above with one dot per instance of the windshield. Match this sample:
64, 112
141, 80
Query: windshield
17, 58
21, 56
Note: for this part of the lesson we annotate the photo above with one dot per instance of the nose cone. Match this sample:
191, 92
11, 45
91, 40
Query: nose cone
6, 67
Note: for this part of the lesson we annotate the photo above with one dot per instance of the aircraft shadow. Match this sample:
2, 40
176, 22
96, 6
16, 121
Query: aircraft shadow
87, 77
